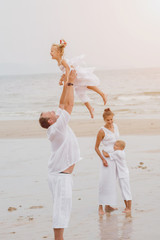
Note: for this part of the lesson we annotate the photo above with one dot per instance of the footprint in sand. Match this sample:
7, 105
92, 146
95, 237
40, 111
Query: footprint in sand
139, 210
20, 218
141, 163
36, 207
11, 209
144, 167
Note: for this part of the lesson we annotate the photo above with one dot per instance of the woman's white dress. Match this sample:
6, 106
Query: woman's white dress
108, 175
85, 77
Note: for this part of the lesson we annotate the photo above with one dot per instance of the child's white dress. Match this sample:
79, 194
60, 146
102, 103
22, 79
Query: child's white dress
85, 77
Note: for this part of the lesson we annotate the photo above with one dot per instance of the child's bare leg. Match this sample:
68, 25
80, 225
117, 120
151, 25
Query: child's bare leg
97, 90
100, 210
58, 233
128, 206
125, 202
90, 108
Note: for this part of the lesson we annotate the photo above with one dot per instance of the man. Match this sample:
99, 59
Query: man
65, 154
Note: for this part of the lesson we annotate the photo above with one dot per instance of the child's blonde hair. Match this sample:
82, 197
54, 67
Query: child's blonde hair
121, 143
60, 46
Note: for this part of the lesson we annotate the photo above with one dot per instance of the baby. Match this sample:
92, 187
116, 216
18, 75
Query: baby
85, 77
123, 173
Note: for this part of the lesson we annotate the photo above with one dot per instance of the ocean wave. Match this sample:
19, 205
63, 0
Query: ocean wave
138, 96
152, 93
129, 94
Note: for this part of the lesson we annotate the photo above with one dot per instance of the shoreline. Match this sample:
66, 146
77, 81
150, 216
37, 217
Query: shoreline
11, 129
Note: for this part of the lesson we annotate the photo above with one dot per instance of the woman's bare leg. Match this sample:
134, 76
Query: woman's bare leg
90, 108
97, 90
128, 206
100, 210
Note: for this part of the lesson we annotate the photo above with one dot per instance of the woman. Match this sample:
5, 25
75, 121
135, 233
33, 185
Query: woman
107, 135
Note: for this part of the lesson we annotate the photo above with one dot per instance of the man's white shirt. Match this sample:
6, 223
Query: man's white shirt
64, 145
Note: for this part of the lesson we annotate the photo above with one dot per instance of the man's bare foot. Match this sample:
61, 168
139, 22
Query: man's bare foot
110, 209
92, 112
104, 96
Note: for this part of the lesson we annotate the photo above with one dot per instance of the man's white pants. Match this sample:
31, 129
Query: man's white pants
60, 185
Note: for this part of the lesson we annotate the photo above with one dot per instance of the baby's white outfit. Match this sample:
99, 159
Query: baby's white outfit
65, 153
123, 173
85, 77
108, 175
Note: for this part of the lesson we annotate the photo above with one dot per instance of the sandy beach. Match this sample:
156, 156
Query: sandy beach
82, 128
26, 205
25, 199
24, 187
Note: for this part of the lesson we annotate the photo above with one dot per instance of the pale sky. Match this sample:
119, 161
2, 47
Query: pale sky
113, 34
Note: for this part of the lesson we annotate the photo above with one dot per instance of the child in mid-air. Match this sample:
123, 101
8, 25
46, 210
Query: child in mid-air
85, 79
123, 173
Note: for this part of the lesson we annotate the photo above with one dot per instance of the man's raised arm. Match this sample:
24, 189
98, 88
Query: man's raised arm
62, 99
69, 95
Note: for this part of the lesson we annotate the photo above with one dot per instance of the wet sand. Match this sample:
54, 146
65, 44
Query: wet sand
26, 205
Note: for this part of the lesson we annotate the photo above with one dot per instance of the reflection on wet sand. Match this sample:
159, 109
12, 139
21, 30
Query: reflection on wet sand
108, 226
115, 226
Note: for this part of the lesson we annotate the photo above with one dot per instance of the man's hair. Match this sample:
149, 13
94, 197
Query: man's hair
121, 143
44, 122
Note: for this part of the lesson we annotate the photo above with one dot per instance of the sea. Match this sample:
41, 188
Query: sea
132, 93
